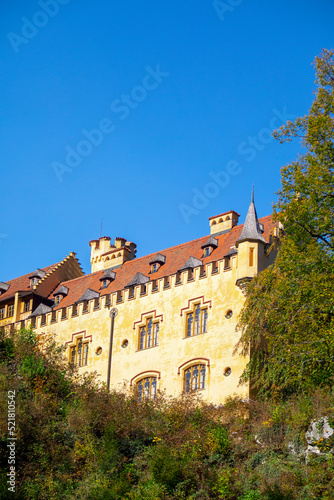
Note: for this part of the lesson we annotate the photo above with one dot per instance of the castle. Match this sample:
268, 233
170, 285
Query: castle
162, 322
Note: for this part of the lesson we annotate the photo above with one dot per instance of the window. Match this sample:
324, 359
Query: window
178, 280
119, 297
214, 267
143, 289
53, 316
79, 353
166, 282
33, 322
85, 306
149, 335
154, 268
43, 319
227, 263
207, 251
190, 274
10, 310
197, 321
194, 378
33, 281
26, 306
251, 257
104, 283
97, 303
64, 313
202, 272
58, 299
155, 285
74, 310
2, 313
131, 292
108, 300
146, 389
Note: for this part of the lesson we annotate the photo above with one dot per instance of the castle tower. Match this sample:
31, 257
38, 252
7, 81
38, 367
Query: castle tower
104, 255
251, 248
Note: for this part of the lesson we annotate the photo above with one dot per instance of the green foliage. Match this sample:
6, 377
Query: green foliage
288, 318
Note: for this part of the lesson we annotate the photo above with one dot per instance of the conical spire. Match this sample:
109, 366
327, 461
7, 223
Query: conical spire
251, 229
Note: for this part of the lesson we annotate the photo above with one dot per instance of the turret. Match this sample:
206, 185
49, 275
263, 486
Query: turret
105, 255
251, 246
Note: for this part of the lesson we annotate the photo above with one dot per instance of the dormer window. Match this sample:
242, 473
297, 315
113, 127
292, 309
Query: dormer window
209, 246
207, 251
154, 267
107, 278
157, 261
58, 298
36, 276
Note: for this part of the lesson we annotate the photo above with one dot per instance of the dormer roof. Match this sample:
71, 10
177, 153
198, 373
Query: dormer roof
191, 263
41, 309
158, 259
211, 242
232, 251
63, 290
138, 279
39, 273
88, 295
3, 287
251, 230
109, 274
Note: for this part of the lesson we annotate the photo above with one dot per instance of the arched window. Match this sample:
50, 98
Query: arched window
200, 324
149, 334
194, 378
146, 388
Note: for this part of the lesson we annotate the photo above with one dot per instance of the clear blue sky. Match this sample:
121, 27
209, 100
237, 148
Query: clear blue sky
179, 89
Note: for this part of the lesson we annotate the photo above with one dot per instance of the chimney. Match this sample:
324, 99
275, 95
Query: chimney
223, 223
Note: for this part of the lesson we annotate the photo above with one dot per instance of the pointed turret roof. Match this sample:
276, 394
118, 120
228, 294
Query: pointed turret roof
251, 229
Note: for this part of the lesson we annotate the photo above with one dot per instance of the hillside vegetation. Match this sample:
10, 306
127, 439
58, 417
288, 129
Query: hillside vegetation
74, 440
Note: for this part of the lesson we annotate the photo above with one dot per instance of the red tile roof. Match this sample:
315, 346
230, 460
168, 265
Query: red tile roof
22, 284
175, 258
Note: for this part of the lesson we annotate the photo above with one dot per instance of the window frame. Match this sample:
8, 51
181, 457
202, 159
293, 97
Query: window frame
151, 379
196, 321
26, 306
82, 352
58, 299
198, 379
148, 336
11, 310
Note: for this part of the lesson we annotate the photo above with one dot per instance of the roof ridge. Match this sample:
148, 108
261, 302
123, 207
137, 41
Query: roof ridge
27, 274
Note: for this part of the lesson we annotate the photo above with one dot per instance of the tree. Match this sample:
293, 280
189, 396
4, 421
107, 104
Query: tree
288, 319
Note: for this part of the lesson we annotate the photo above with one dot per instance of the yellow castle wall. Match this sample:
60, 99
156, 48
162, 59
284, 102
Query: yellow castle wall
220, 294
